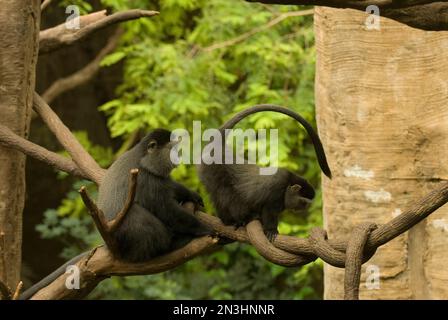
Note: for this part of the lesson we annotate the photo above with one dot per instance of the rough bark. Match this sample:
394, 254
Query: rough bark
58, 37
18, 54
385, 130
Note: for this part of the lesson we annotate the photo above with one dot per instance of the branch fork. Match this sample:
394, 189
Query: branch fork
107, 228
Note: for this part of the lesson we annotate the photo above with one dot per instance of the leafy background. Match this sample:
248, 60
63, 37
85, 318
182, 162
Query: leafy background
180, 67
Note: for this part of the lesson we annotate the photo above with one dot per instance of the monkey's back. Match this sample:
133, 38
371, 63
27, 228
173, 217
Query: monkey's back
239, 192
113, 190
141, 236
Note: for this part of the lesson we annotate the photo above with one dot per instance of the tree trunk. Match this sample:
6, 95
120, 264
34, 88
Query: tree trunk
19, 35
382, 111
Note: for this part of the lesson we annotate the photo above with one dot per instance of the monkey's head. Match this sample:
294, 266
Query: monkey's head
155, 148
299, 194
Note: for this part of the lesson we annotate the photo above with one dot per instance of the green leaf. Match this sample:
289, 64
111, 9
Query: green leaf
112, 58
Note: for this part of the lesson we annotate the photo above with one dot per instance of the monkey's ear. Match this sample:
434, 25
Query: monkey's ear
295, 188
152, 144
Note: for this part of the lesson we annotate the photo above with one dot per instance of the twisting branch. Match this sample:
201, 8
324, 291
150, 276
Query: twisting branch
355, 250
59, 36
106, 228
333, 251
11, 140
271, 253
80, 156
84, 75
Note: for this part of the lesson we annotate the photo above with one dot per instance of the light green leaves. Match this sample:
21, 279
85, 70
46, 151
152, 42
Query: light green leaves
112, 58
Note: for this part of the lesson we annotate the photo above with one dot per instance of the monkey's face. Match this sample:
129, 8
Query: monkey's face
295, 199
156, 155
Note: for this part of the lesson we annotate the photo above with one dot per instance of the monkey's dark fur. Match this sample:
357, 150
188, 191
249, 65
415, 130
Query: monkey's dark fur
240, 194
156, 223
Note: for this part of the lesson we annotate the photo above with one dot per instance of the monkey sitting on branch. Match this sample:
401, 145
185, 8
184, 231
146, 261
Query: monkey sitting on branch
241, 194
154, 221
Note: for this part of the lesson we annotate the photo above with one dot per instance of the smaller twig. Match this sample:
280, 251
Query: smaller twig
250, 33
116, 222
354, 256
45, 4
59, 36
80, 156
323, 249
107, 228
98, 217
18, 290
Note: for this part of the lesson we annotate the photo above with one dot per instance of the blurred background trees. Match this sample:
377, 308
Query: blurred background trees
198, 60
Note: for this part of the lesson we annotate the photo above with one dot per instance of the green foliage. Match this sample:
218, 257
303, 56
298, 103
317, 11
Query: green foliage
84, 6
178, 68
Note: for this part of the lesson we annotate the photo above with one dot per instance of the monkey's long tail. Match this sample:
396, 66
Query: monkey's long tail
321, 158
50, 278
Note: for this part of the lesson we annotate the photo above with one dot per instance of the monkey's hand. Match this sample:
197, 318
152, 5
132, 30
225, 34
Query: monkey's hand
271, 234
205, 231
197, 200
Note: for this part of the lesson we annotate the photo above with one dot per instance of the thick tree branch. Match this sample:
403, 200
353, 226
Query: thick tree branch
271, 253
80, 156
421, 14
333, 251
59, 36
11, 140
102, 265
355, 250
84, 75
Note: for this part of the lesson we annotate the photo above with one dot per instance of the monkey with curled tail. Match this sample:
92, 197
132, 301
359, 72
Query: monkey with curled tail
240, 194
156, 222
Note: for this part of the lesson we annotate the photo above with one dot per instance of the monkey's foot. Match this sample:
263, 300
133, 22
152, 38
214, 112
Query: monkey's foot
271, 234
